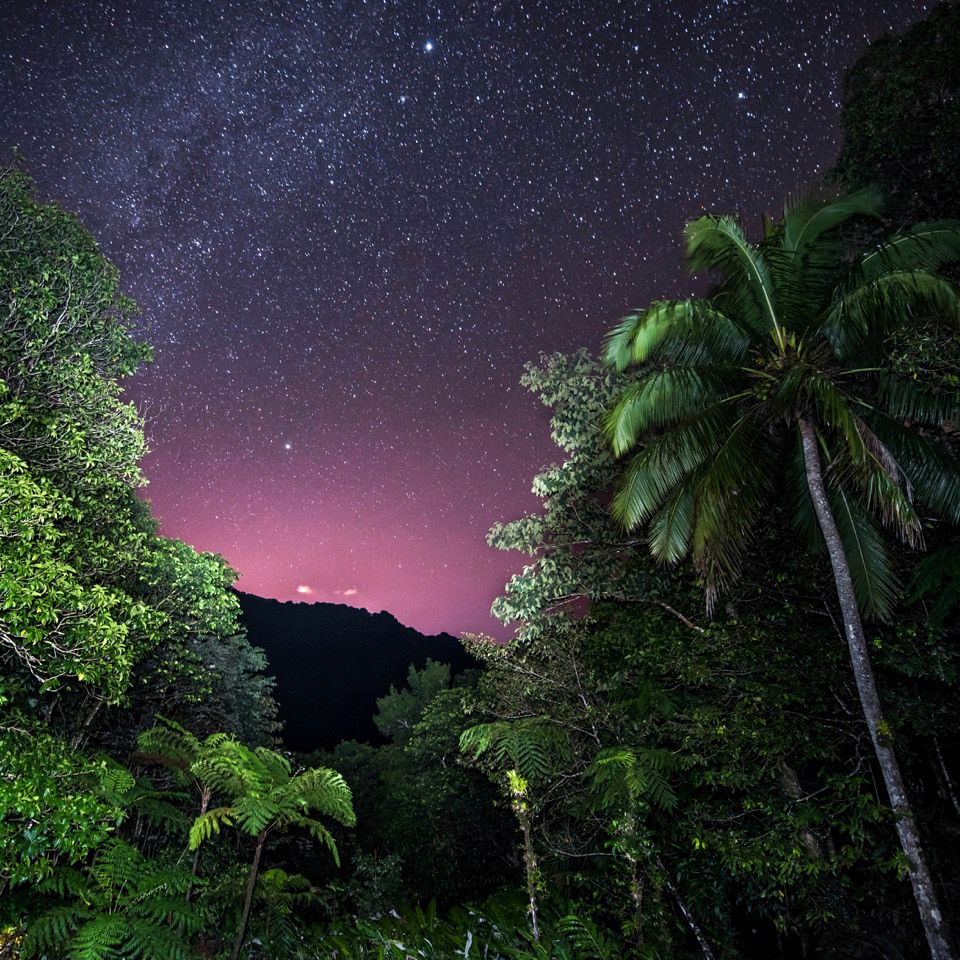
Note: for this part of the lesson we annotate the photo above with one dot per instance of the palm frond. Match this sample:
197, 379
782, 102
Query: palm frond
924, 247
806, 219
657, 468
730, 491
920, 402
685, 333
720, 244
864, 312
664, 397
874, 581
933, 470
887, 490
834, 411
670, 525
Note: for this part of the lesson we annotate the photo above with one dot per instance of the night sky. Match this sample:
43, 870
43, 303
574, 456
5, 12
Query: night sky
348, 224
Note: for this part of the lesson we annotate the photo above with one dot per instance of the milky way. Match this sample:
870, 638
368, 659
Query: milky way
349, 224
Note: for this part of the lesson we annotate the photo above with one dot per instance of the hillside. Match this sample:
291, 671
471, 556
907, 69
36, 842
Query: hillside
333, 661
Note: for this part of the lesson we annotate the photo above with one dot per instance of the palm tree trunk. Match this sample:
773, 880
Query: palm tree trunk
248, 898
923, 888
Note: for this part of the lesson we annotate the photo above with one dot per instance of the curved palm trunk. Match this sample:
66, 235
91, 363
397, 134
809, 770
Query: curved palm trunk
248, 898
923, 888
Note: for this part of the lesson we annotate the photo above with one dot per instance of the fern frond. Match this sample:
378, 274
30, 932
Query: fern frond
208, 824
587, 940
621, 775
50, 931
100, 939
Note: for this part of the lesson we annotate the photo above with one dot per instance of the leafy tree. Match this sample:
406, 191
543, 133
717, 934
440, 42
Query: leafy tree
265, 796
64, 344
787, 368
418, 807
102, 622
901, 119
43, 823
400, 710
776, 819
580, 553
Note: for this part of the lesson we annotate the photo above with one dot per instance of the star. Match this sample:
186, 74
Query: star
351, 245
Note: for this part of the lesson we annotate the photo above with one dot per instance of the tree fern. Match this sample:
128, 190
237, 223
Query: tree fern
528, 746
620, 776
264, 795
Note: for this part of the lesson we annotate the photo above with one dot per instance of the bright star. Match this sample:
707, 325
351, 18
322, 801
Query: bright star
428, 46
288, 445
741, 95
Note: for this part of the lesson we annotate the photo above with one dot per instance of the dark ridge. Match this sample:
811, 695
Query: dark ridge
332, 662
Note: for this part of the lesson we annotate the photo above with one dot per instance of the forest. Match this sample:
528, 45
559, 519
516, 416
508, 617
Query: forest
729, 723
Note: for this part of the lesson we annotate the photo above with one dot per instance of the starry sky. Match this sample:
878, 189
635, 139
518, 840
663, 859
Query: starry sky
348, 224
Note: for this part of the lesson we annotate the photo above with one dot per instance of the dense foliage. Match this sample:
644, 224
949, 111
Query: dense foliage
901, 120
104, 625
727, 725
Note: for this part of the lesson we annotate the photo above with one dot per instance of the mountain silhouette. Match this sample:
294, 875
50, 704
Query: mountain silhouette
332, 662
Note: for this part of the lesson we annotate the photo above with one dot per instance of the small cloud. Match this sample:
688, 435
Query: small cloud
303, 588
351, 592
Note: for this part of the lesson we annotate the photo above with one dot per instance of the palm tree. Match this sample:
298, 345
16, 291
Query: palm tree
791, 378
265, 796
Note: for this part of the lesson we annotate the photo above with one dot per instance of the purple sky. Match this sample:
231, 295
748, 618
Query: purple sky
348, 226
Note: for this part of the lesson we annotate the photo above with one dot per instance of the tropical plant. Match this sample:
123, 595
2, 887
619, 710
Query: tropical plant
264, 795
399, 711
580, 553
521, 752
494, 931
783, 388
123, 905
901, 117
175, 747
